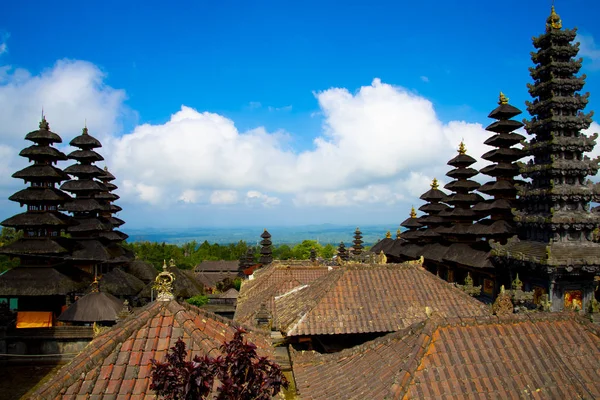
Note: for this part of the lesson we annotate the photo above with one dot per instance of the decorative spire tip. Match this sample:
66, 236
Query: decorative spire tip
462, 149
553, 21
413, 213
503, 99
434, 184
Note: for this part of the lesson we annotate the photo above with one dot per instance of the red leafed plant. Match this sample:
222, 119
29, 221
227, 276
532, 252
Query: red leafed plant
241, 373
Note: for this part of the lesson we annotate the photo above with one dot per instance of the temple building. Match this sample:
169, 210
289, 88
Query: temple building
357, 246
554, 251
43, 279
266, 249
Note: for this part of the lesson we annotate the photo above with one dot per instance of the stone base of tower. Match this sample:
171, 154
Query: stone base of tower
564, 274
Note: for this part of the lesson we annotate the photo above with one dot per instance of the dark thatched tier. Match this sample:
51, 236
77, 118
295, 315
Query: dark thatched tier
85, 155
40, 194
433, 207
142, 270
43, 134
41, 172
504, 111
506, 126
119, 282
42, 153
107, 176
461, 160
85, 141
503, 169
113, 236
83, 185
115, 221
37, 219
90, 250
84, 205
93, 307
504, 155
465, 254
89, 225
40, 281
83, 170
106, 196
504, 140
42, 246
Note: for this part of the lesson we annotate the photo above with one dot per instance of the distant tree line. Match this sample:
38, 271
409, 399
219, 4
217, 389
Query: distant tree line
8, 236
190, 254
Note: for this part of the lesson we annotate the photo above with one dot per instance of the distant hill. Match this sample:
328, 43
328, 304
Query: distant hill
325, 233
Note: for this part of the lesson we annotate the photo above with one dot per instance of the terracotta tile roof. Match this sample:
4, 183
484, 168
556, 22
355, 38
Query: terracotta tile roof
370, 298
543, 356
116, 364
271, 281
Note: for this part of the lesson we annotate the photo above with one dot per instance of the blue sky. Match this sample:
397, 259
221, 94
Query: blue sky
270, 77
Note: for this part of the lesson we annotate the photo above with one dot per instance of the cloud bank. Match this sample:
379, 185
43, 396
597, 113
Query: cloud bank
379, 146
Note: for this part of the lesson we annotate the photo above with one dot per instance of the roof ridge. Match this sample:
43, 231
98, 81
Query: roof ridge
321, 285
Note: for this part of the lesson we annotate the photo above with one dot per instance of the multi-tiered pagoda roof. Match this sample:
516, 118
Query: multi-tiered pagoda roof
357, 244
42, 223
554, 220
266, 249
503, 189
434, 244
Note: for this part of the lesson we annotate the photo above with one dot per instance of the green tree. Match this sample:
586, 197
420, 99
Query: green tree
8, 236
328, 251
301, 251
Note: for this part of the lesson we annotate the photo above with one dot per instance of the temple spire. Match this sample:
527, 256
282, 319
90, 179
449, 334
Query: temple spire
553, 21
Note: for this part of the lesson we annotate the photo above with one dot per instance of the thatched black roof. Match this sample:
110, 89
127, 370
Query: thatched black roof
489, 206
489, 228
504, 139
90, 250
115, 221
83, 170
37, 219
85, 141
82, 205
85, 155
383, 245
40, 194
110, 186
41, 172
458, 173
107, 176
462, 185
113, 236
43, 281
433, 207
83, 185
499, 186
107, 196
465, 254
503, 169
90, 225
43, 134
435, 252
120, 283
506, 155
36, 152
461, 160
115, 208
37, 246
142, 270
93, 307
504, 111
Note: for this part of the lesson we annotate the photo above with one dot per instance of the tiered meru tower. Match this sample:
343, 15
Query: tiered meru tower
42, 223
554, 252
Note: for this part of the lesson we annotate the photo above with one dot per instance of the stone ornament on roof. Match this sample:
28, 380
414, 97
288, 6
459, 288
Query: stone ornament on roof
468, 287
163, 284
503, 305
388, 235
553, 21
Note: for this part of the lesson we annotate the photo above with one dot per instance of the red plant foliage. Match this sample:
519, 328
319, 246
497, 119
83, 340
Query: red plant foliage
241, 373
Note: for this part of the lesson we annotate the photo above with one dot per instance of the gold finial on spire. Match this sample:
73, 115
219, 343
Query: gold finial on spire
398, 233
413, 213
462, 149
388, 235
553, 21
95, 285
503, 99
434, 184
163, 283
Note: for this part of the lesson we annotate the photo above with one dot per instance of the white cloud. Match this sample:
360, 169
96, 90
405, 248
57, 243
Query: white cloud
191, 196
70, 93
378, 135
424, 79
589, 50
254, 196
224, 197
147, 193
